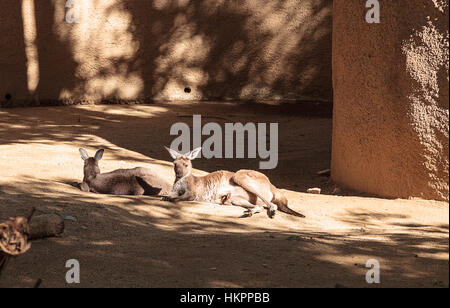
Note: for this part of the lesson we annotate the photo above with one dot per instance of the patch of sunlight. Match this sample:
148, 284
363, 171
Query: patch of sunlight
161, 4
251, 90
101, 243
224, 284
174, 90
14, 126
104, 48
145, 210
31, 51
125, 87
183, 3
435, 255
288, 28
352, 259
179, 63
132, 111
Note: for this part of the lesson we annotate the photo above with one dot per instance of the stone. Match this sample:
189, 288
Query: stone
46, 225
314, 190
70, 218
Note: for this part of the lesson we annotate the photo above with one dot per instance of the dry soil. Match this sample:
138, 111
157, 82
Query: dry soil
124, 241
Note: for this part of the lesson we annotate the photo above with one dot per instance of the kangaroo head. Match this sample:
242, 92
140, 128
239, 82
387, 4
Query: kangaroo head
91, 168
182, 163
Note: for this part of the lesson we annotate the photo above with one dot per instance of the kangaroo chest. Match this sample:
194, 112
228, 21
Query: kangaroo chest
180, 187
207, 189
194, 190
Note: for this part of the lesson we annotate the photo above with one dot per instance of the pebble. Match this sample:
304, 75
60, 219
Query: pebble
314, 190
70, 218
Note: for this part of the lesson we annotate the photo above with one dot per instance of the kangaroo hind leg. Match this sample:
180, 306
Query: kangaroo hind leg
259, 185
243, 202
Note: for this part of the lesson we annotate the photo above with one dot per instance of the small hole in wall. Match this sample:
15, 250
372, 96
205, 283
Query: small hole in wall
8, 96
187, 90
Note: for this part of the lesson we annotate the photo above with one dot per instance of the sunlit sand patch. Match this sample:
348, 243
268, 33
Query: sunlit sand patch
101, 243
132, 111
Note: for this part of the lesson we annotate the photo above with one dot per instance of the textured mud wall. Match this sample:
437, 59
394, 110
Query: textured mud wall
164, 49
391, 115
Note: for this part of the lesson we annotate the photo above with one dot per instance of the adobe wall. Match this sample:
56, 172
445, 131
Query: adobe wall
391, 103
161, 49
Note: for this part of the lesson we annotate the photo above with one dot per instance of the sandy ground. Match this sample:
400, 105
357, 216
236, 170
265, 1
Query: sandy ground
123, 241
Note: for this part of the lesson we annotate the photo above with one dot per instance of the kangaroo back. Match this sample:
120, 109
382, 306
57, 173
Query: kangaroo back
137, 181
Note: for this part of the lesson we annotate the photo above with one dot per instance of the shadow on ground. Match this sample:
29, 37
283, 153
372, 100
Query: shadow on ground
304, 133
144, 242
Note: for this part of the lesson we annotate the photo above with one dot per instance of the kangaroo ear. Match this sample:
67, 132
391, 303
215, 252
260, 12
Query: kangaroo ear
84, 154
99, 154
173, 153
193, 154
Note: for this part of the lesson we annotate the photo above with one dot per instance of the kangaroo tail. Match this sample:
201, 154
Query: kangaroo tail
281, 204
287, 210
281, 201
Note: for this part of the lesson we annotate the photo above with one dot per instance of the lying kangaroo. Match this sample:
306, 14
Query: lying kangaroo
137, 181
246, 188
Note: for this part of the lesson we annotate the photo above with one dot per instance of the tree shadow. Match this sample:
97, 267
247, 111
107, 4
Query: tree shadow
304, 142
254, 46
57, 68
184, 50
143, 242
235, 50
13, 70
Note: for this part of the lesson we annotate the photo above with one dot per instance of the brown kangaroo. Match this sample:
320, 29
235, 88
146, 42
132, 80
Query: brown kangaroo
245, 188
137, 181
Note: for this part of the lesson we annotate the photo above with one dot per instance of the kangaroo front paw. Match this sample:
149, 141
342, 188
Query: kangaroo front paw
167, 198
84, 187
271, 212
248, 213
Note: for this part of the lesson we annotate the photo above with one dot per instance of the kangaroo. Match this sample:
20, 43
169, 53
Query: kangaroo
138, 181
245, 188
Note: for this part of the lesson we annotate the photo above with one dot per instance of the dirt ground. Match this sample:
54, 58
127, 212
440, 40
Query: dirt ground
124, 241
